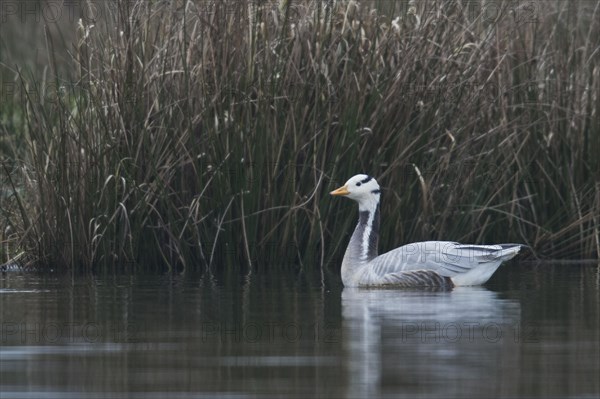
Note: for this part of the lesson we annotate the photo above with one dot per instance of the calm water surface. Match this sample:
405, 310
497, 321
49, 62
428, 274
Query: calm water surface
532, 331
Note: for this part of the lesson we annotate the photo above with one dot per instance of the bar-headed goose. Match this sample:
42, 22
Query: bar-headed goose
422, 264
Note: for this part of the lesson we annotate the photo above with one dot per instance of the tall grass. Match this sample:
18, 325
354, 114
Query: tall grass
193, 134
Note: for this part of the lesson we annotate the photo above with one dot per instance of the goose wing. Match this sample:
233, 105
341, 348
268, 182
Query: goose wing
445, 258
417, 278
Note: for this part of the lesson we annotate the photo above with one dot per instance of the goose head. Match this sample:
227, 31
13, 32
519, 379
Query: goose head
362, 189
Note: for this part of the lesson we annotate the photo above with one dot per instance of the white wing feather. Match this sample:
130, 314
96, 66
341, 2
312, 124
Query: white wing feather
465, 264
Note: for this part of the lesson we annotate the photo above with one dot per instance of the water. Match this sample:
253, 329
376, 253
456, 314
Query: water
532, 331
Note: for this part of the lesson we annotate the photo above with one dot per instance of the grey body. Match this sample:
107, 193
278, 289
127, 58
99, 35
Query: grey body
430, 263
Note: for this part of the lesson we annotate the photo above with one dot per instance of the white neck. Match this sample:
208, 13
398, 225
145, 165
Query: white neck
362, 247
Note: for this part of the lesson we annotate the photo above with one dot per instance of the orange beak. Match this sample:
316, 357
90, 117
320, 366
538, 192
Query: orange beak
340, 191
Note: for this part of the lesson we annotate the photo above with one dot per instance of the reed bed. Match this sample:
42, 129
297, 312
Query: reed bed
180, 135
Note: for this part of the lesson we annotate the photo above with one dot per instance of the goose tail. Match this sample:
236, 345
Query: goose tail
508, 251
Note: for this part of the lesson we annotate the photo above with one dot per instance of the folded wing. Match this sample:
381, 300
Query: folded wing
445, 258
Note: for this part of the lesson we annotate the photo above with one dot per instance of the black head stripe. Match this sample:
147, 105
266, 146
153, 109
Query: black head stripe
366, 179
378, 191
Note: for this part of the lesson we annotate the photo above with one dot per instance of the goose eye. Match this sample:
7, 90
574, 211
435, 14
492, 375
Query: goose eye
358, 184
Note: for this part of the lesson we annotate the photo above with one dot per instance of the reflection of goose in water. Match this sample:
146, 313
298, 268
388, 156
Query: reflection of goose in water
429, 344
432, 263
